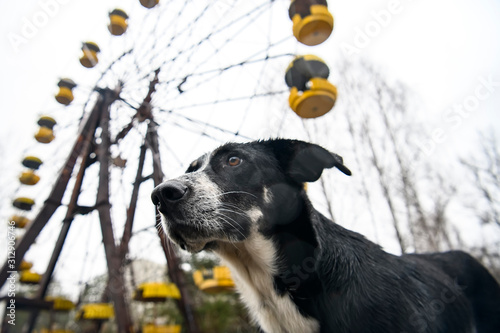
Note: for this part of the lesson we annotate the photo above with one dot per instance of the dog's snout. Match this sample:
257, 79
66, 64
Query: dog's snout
169, 192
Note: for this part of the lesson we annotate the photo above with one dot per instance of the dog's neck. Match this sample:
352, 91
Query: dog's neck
254, 266
253, 260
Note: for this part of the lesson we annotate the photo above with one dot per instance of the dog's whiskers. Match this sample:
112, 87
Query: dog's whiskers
237, 192
227, 209
226, 193
232, 206
228, 237
158, 225
231, 222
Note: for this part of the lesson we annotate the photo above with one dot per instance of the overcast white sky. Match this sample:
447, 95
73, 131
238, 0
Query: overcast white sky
441, 49
446, 51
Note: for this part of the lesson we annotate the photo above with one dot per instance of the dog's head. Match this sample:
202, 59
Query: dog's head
238, 189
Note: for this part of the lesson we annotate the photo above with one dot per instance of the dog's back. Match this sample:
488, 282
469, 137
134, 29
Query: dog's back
476, 283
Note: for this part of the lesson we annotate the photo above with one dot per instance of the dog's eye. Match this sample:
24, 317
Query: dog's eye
233, 161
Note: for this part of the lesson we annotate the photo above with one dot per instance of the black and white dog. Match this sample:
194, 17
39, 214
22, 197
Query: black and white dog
299, 272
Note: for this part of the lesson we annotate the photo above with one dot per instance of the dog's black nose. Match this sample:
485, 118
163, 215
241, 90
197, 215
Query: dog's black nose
169, 191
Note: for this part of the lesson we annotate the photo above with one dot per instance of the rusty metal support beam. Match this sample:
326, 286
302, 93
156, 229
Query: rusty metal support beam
127, 232
117, 283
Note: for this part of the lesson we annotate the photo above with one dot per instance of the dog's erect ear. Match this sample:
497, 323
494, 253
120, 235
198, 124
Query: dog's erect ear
302, 161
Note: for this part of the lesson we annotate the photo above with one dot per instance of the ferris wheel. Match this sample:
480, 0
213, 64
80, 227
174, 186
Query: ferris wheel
163, 82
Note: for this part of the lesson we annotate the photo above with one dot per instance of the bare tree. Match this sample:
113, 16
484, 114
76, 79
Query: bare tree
483, 169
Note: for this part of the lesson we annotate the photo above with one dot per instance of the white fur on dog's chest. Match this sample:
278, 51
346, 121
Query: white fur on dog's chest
253, 264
